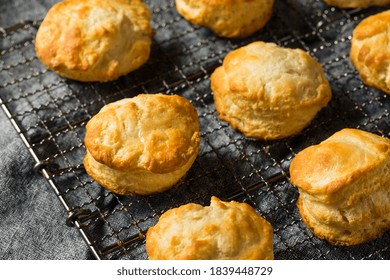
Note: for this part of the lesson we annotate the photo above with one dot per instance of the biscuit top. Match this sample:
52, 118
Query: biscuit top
223, 230
221, 2
357, 3
227, 18
82, 35
272, 77
370, 50
152, 132
339, 160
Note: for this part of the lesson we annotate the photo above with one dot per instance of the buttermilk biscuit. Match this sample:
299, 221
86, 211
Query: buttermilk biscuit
227, 18
370, 51
223, 230
344, 186
142, 145
269, 92
356, 3
93, 40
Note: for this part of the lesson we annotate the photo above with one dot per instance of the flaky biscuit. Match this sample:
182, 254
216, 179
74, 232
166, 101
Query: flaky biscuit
142, 145
269, 92
345, 4
227, 18
93, 40
370, 50
223, 230
344, 186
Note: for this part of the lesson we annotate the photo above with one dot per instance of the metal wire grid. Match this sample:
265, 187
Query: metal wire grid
50, 114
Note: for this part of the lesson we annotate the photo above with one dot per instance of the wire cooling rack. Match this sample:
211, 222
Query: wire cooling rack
50, 113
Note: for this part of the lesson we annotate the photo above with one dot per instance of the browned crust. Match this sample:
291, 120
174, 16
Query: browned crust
142, 145
223, 230
370, 51
269, 92
90, 40
346, 4
227, 18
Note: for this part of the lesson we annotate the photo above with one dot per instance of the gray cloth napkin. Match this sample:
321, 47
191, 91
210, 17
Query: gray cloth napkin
32, 220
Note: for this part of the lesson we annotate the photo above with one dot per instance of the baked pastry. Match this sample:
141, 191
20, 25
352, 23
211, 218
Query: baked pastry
223, 230
93, 40
142, 145
345, 4
370, 50
269, 92
227, 18
344, 187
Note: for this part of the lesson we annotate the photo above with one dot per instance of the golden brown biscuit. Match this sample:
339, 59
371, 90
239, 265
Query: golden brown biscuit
370, 51
223, 230
92, 40
227, 18
269, 92
142, 145
345, 4
344, 186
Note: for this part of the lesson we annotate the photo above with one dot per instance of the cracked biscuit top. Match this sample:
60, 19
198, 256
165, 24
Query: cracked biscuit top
158, 133
227, 18
370, 50
223, 230
91, 40
269, 92
142, 145
356, 3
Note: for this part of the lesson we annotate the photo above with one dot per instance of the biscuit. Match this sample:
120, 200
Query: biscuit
269, 92
370, 51
92, 40
344, 187
142, 145
227, 18
345, 4
223, 230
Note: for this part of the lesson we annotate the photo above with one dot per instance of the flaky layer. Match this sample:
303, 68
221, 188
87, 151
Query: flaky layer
370, 50
269, 92
223, 230
91, 40
344, 186
135, 182
227, 18
357, 3
143, 144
